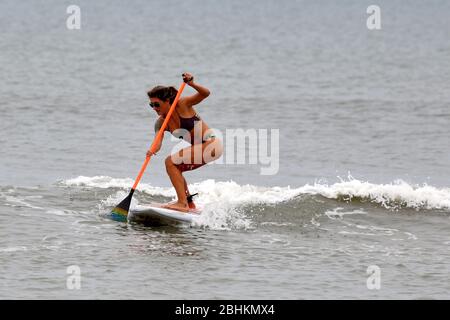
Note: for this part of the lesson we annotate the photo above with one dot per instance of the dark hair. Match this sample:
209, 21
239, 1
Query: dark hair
163, 93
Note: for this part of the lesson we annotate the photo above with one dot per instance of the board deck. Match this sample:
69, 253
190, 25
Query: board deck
154, 214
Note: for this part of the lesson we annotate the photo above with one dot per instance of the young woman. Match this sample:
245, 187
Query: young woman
184, 123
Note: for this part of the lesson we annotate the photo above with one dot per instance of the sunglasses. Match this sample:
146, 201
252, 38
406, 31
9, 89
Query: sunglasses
154, 105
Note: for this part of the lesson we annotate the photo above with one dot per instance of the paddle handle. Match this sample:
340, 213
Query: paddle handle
159, 136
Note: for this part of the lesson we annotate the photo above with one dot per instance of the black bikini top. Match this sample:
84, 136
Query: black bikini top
188, 123
185, 123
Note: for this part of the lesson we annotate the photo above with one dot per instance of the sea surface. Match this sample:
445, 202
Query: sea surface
358, 123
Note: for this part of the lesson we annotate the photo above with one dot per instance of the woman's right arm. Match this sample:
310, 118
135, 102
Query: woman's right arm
158, 125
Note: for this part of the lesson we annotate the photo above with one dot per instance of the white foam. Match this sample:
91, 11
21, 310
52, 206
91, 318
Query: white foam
15, 201
393, 195
229, 190
103, 182
220, 200
223, 200
388, 195
339, 213
277, 224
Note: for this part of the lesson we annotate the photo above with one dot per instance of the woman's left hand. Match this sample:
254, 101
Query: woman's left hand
149, 153
188, 78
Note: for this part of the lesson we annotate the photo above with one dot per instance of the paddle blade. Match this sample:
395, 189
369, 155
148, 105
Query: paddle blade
121, 210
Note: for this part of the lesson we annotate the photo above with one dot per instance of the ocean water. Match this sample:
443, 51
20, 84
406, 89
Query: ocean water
363, 152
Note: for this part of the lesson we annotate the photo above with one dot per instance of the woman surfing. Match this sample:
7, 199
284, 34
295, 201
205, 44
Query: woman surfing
184, 123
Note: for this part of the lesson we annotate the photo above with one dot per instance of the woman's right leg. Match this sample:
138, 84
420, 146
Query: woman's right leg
206, 152
179, 184
186, 187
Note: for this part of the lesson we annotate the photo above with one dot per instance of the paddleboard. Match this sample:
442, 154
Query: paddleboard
155, 215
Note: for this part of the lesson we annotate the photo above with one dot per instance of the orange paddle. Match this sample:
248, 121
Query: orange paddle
123, 207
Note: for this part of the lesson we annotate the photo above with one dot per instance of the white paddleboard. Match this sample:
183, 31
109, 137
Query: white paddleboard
155, 215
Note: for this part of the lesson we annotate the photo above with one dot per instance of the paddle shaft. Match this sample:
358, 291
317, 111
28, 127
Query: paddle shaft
159, 136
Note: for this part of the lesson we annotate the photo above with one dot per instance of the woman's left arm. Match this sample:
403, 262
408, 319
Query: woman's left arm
201, 94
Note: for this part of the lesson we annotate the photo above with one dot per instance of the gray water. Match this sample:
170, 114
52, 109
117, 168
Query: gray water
363, 180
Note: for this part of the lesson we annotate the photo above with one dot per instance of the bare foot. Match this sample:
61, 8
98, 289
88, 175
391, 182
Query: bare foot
177, 206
